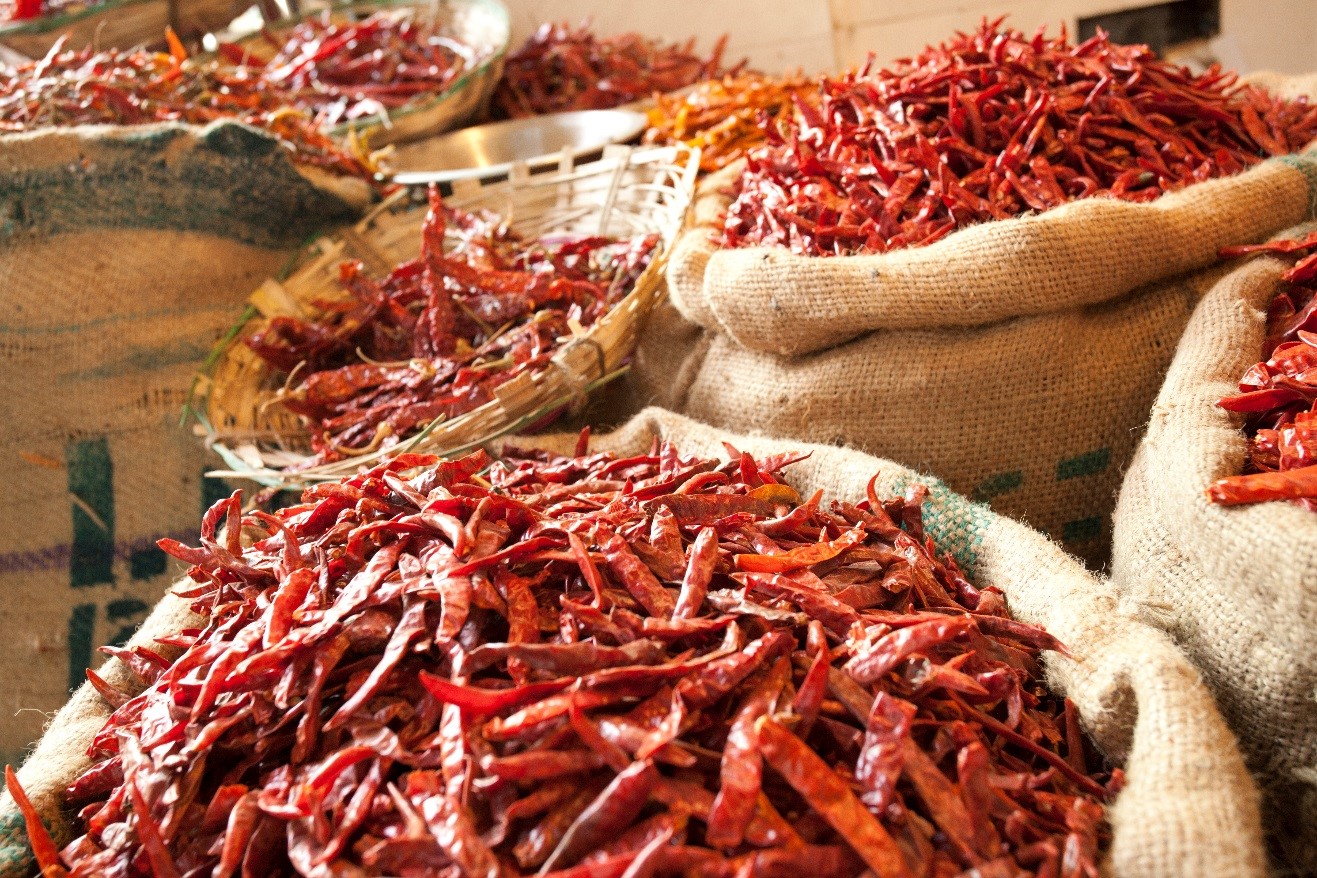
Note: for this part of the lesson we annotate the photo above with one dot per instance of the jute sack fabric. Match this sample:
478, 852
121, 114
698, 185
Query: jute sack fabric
1036, 415
1236, 588
123, 257
668, 357
1026, 352
1189, 808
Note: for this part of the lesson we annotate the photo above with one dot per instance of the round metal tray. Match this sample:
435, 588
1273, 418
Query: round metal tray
492, 149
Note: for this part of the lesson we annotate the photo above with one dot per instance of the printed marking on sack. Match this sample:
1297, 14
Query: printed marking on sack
1087, 464
1081, 529
60, 555
121, 617
91, 493
148, 563
82, 625
996, 485
213, 491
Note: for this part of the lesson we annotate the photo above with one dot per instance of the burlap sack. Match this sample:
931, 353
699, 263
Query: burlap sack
1235, 587
1016, 359
1036, 416
667, 359
123, 257
1189, 809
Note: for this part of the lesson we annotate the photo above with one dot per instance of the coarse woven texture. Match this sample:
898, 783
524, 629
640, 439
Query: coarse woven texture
1189, 807
1082, 253
1235, 587
108, 318
1028, 350
668, 356
1037, 416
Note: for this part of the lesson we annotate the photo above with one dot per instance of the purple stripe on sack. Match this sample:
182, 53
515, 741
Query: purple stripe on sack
58, 557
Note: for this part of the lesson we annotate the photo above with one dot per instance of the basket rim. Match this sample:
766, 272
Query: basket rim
496, 9
680, 163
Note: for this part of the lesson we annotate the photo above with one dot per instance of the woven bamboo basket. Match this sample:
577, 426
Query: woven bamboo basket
625, 193
117, 24
481, 24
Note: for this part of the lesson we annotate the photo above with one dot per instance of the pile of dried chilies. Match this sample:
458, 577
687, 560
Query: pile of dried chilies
1279, 395
725, 117
992, 125
341, 71
114, 87
435, 338
585, 667
559, 69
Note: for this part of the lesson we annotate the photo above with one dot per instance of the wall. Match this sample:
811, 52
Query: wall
821, 35
1268, 35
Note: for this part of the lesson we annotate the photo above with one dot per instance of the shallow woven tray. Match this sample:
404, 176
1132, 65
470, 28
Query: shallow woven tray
627, 192
481, 24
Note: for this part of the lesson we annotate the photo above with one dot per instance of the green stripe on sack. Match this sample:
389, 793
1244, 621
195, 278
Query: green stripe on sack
996, 485
1087, 464
148, 563
128, 614
1081, 529
15, 855
213, 491
82, 628
1305, 163
91, 491
957, 525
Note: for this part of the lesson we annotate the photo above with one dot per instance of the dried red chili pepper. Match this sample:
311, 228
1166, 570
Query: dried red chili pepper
724, 118
559, 69
441, 333
1279, 395
22, 10
44, 848
599, 724
339, 71
994, 124
134, 88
